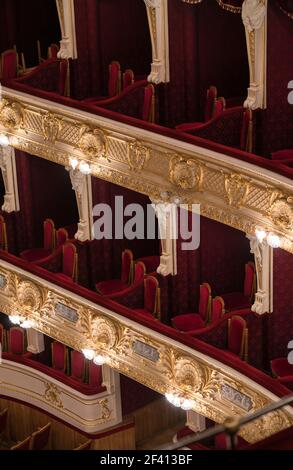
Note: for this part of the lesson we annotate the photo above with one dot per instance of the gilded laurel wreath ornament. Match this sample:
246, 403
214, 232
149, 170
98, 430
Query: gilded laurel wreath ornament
51, 126
11, 114
92, 142
186, 174
137, 156
281, 213
237, 189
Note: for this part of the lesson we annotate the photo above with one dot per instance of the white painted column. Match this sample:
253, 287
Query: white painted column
35, 341
263, 256
168, 222
254, 17
195, 421
82, 185
157, 11
8, 168
68, 48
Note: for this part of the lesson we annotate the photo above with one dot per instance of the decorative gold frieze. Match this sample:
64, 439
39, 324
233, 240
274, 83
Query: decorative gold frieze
187, 372
138, 156
51, 126
281, 211
186, 174
91, 142
52, 395
11, 114
237, 189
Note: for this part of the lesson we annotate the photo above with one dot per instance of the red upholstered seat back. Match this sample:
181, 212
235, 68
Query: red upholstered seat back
246, 130
9, 64
126, 268
236, 335
61, 237
53, 51
16, 340
3, 420
148, 104
40, 438
139, 272
95, 375
3, 236
69, 266
49, 235
77, 365
249, 279
210, 103
204, 301
218, 309
151, 287
59, 356
219, 107
128, 78
114, 85
23, 445
63, 76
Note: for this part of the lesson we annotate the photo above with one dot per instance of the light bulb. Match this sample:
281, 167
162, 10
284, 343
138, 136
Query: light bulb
73, 163
187, 405
88, 354
27, 324
84, 168
273, 240
15, 319
4, 140
260, 235
99, 360
169, 397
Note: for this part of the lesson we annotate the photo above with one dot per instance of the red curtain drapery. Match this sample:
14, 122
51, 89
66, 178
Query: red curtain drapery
234, 6
286, 6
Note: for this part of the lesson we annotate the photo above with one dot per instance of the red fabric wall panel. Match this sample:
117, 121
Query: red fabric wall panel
24, 22
278, 121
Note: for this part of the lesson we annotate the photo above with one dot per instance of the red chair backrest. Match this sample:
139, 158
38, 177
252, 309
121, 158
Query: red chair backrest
204, 301
9, 62
210, 103
61, 237
95, 374
128, 78
139, 272
219, 107
126, 268
246, 131
49, 235
3, 235
63, 78
23, 445
3, 420
53, 51
69, 265
236, 334
59, 356
148, 103
16, 337
218, 309
249, 279
77, 365
114, 83
151, 294
40, 438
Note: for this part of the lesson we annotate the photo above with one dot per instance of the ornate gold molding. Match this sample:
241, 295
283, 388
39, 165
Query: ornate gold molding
230, 191
164, 365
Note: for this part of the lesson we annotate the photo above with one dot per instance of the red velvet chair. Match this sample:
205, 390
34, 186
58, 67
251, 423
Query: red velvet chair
95, 375
139, 272
237, 337
78, 366
246, 133
53, 50
127, 79
218, 309
115, 285
22, 445
17, 341
219, 108
239, 300
85, 446
35, 254
3, 420
3, 234
148, 110
40, 439
69, 263
151, 307
208, 114
61, 237
2, 337
283, 371
59, 356
193, 321
9, 64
